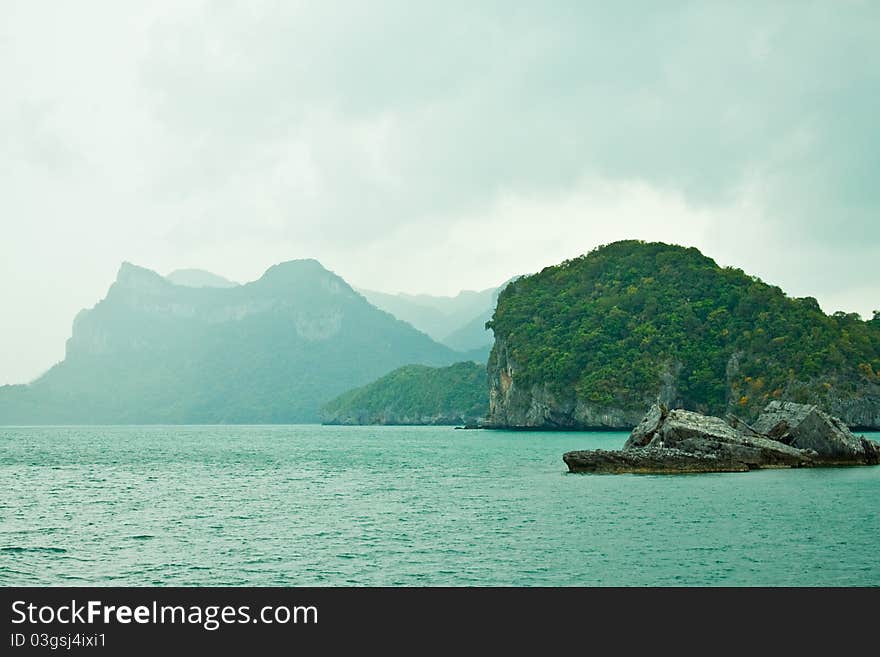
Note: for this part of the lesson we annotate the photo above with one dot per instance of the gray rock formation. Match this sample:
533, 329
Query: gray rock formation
647, 428
787, 435
804, 426
649, 460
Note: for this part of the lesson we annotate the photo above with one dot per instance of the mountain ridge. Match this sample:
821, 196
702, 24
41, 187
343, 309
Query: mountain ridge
198, 278
440, 316
271, 350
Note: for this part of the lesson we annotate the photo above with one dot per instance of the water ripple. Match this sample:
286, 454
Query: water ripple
403, 506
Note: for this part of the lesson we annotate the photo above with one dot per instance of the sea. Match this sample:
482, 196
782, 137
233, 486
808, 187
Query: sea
311, 505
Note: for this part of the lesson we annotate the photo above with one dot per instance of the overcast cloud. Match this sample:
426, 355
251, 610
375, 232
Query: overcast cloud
428, 147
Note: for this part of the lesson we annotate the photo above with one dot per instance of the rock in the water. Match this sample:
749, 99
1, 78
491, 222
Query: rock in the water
649, 460
806, 427
790, 436
703, 434
645, 430
686, 427
872, 451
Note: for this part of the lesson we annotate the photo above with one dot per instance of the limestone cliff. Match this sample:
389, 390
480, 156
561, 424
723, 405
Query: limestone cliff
538, 407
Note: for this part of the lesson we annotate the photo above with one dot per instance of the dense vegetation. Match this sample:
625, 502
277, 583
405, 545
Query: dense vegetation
273, 351
607, 325
415, 394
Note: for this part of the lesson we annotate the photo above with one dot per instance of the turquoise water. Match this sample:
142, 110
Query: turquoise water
313, 505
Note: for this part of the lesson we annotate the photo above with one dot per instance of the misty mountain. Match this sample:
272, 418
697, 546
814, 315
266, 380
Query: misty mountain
473, 337
198, 278
273, 350
456, 320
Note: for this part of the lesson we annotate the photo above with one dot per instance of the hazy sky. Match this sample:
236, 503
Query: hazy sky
428, 146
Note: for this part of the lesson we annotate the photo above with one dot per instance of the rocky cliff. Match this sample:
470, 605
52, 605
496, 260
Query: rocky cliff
593, 342
540, 406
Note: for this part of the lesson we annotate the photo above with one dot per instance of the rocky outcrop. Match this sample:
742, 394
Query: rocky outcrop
806, 427
860, 412
649, 460
786, 435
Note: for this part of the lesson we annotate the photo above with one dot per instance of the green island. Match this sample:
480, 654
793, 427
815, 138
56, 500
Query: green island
594, 341
415, 394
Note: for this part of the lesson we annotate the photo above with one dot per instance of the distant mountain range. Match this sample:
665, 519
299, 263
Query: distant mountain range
589, 343
459, 322
196, 348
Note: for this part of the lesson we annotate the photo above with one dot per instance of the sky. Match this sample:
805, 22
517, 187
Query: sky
428, 146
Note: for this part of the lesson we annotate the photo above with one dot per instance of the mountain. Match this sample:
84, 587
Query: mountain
473, 336
198, 278
415, 394
594, 341
273, 350
442, 317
